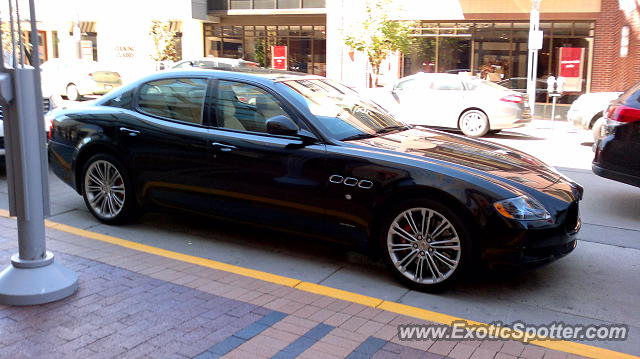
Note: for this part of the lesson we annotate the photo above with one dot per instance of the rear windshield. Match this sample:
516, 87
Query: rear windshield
632, 95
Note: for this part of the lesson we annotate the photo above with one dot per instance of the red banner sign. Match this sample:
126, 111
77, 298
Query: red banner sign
279, 57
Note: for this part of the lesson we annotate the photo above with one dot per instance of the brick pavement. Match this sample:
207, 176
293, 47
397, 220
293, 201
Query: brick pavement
132, 304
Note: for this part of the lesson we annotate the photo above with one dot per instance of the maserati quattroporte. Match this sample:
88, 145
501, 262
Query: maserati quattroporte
311, 155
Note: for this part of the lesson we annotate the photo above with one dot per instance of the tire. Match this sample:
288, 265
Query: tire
72, 93
407, 251
474, 123
111, 204
597, 128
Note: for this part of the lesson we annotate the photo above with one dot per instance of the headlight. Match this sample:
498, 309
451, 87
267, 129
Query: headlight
523, 208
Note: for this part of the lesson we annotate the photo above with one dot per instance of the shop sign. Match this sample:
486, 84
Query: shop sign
571, 66
125, 51
86, 49
279, 57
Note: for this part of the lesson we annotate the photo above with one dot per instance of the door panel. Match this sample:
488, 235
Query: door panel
169, 145
258, 177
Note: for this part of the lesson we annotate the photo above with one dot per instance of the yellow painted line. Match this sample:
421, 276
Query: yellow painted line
419, 313
268, 277
339, 294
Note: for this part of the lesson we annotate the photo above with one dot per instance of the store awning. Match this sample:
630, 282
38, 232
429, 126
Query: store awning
85, 26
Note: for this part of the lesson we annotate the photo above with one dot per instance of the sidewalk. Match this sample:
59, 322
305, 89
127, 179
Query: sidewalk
134, 304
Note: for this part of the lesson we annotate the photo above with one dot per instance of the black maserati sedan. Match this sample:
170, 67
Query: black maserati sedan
309, 155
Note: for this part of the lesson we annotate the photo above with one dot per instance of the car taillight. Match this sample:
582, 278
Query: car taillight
50, 130
623, 114
512, 98
91, 74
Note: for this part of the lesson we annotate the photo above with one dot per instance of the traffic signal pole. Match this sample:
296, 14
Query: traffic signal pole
32, 277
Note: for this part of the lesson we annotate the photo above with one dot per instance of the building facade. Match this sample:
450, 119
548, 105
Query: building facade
594, 43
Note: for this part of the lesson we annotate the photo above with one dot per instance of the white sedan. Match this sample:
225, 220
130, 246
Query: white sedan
474, 106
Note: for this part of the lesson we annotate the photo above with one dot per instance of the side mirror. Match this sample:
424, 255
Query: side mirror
282, 125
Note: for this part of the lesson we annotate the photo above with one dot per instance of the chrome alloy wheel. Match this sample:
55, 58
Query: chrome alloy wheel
104, 188
473, 123
423, 245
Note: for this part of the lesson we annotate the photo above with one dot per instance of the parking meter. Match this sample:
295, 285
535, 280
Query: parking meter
560, 84
551, 84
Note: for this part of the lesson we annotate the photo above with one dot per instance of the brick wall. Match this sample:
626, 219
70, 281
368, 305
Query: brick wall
610, 71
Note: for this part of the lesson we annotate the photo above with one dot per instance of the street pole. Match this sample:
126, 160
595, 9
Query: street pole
535, 44
32, 277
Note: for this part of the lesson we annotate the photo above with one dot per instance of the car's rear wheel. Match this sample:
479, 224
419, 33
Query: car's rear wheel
425, 244
72, 92
474, 123
106, 189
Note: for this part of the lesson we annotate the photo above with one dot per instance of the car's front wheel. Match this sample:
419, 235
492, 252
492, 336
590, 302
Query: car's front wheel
107, 190
425, 244
474, 123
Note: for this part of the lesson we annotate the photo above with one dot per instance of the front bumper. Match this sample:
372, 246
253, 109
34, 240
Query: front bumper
531, 247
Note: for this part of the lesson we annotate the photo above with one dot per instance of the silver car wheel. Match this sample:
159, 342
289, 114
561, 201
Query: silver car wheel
474, 123
423, 245
104, 189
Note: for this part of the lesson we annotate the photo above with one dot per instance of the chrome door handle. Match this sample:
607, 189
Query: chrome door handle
129, 131
222, 147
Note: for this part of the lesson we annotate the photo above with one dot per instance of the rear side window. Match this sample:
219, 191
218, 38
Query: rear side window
177, 99
124, 100
632, 95
446, 83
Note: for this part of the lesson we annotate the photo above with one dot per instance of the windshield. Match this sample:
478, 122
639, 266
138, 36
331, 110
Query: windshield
342, 112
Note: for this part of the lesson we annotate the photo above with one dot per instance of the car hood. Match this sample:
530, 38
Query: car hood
481, 157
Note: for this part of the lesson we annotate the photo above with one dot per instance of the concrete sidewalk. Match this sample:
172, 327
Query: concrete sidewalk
135, 304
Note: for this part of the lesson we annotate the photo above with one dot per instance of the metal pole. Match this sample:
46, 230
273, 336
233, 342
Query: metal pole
532, 60
32, 277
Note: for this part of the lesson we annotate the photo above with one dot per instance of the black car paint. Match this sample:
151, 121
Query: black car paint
616, 154
283, 181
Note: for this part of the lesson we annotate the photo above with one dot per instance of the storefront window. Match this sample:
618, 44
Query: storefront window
499, 50
306, 44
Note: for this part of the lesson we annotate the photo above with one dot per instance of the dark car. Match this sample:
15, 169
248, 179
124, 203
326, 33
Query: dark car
310, 155
617, 152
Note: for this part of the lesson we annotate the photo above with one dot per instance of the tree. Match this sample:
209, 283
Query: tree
378, 36
7, 46
164, 40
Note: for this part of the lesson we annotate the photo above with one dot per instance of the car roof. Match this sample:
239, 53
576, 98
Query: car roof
259, 75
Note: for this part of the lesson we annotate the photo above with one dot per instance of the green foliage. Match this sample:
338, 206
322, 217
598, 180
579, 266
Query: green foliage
378, 36
164, 40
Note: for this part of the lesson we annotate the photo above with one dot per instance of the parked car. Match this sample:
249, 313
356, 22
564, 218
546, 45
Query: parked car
49, 103
77, 78
587, 111
474, 106
310, 155
616, 154
520, 84
215, 63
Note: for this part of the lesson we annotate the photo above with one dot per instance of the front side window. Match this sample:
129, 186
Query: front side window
177, 99
245, 107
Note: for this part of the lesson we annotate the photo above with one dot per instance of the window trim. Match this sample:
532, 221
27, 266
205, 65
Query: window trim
288, 109
136, 105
